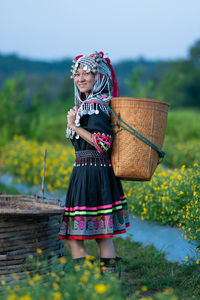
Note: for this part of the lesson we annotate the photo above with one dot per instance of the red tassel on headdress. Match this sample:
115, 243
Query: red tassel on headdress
116, 91
101, 53
77, 57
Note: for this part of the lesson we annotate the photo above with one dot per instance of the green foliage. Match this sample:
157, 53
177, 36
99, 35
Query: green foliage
146, 274
164, 199
179, 86
184, 153
174, 82
34, 118
138, 89
12, 117
24, 159
171, 197
195, 52
50, 123
9, 190
183, 125
9, 64
55, 279
182, 141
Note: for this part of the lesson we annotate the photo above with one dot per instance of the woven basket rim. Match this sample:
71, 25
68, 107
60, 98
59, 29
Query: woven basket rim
15, 212
141, 99
40, 208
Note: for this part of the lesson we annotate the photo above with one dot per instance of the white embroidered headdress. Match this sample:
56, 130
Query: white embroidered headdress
105, 84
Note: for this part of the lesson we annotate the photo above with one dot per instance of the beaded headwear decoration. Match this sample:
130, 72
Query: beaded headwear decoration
105, 85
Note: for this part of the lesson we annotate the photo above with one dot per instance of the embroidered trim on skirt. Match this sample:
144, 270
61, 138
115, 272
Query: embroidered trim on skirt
97, 222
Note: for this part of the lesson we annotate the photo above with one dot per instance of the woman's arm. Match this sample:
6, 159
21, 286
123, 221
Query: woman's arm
86, 135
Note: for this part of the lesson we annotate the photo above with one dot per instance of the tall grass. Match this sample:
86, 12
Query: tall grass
183, 125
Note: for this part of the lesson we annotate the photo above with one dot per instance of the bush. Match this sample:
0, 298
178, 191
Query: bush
24, 159
172, 197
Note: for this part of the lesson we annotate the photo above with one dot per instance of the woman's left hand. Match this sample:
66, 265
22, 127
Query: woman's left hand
71, 116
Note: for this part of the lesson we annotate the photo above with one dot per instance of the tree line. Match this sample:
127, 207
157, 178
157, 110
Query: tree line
34, 96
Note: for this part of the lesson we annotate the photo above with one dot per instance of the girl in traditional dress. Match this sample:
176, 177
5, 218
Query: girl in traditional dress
95, 207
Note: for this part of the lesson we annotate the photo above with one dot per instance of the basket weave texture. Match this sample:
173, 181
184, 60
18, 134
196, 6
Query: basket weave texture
27, 224
132, 159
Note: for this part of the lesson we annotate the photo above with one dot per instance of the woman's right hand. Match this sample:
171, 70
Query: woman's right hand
71, 116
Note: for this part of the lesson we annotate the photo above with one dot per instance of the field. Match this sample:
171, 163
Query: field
172, 197
145, 275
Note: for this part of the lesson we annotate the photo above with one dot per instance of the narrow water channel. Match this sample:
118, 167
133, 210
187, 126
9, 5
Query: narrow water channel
166, 239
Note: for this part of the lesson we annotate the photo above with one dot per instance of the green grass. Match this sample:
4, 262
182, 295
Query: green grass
9, 190
183, 125
145, 266
146, 274
183, 153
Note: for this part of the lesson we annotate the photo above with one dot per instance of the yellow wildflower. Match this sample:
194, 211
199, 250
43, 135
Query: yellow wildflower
77, 267
37, 277
55, 286
31, 282
84, 278
168, 291
12, 297
25, 297
39, 251
100, 288
57, 296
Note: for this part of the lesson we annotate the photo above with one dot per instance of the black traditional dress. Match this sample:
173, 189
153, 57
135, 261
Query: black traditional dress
95, 203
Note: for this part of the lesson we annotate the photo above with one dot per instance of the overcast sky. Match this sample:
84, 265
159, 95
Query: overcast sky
54, 29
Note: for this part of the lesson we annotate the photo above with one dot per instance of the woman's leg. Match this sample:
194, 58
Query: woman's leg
109, 263
77, 248
106, 247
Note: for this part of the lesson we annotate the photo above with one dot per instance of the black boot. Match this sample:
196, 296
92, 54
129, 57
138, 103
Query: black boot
110, 265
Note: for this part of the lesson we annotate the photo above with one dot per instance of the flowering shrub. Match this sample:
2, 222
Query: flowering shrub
24, 159
66, 280
171, 197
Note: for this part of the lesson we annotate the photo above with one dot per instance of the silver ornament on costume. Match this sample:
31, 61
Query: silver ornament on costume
85, 68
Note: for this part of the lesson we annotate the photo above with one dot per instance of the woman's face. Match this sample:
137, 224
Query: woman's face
84, 81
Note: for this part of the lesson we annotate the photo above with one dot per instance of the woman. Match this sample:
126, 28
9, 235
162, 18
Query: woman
95, 206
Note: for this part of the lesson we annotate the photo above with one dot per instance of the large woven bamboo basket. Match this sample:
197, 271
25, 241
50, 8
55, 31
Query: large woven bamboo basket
132, 159
27, 224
